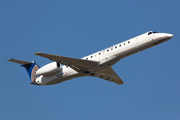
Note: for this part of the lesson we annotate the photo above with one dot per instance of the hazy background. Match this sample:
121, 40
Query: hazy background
76, 29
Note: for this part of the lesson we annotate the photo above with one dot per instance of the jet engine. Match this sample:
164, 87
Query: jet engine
49, 69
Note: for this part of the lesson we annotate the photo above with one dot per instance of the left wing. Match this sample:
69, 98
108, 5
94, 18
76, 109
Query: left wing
110, 75
76, 64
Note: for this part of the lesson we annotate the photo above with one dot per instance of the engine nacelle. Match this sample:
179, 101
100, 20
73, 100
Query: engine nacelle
48, 69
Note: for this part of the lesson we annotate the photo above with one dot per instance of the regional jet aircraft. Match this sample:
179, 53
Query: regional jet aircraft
97, 64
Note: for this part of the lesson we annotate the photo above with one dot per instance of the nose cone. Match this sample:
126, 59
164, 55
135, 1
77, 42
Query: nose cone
170, 35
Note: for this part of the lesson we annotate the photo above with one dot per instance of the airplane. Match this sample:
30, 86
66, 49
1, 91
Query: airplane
96, 65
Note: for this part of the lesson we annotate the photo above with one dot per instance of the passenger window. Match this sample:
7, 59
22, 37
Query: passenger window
124, 43
128, 41
91, 56
119, 45
115, 46
99, 53
86, 58
108, 50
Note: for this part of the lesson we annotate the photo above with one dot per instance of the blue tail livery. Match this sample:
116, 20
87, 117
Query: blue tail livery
31, 68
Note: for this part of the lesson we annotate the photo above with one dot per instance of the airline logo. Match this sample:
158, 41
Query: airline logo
33, 74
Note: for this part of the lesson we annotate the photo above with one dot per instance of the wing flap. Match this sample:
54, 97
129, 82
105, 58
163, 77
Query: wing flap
74, 63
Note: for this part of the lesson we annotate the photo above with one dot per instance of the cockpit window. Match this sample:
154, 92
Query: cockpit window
152, 32
149, 33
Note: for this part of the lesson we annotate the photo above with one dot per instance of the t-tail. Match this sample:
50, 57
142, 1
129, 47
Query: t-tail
31, 68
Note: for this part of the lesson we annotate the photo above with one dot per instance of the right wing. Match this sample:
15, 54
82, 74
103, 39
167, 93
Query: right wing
76, 64
110, 75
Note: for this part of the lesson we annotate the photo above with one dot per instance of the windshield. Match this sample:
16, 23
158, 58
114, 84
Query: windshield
151, 32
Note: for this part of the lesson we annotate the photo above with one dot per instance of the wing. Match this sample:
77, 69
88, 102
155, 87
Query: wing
76, 64
110, 75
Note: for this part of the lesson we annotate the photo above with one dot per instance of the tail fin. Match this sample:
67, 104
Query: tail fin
31, 67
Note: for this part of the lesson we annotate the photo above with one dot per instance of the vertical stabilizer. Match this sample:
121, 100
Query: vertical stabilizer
31, 67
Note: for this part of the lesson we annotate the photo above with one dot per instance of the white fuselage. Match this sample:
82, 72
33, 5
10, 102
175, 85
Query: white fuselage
107, 57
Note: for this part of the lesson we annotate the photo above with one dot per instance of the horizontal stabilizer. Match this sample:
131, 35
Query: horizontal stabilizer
19, 61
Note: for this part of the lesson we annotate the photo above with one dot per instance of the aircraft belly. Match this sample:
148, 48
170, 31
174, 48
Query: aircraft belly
66, 78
